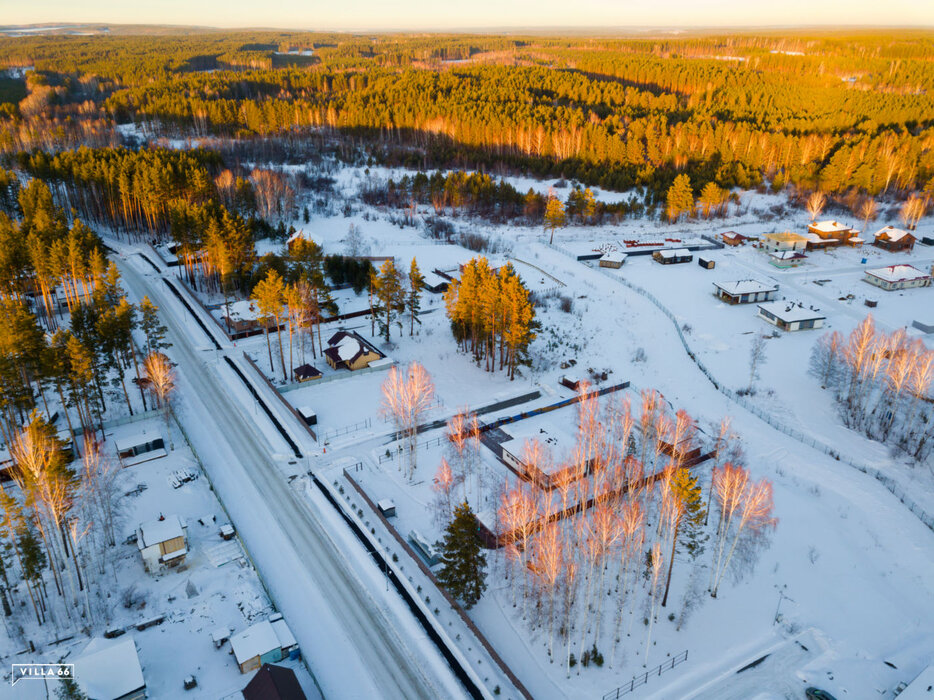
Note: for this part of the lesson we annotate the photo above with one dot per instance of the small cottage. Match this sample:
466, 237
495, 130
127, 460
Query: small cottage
673, 256
348, 350
745, 291
110, 670
898, 277
790, 316
244, 317
786, 258
264, 643
777, 242
731, 238
893, 239
613, 259
162, 543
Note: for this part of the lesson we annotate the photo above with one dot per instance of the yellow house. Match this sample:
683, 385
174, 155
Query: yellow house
784, 241
347, 350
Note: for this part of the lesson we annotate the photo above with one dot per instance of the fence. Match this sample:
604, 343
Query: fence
400, 450
639, 681
883, 479
291, 409
347, 429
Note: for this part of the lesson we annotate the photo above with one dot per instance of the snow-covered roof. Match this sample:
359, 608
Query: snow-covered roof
788, 255
745, 287
386, 504
433, 279
348, 348
109, 669
156, 531
555, 431
674, 252
244, 310
789, 311
220, 634
614, 256
283, 634
131, 441
787, 236
891, 233
830, 226
812, 237
254, 641
898, 273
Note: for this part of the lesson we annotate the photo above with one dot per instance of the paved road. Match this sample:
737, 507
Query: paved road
381, 661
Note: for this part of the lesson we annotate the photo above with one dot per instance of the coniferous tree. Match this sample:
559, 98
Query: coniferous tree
413, 299
679, 200
463, 562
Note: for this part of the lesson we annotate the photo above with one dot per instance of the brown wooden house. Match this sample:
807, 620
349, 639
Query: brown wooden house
893, 239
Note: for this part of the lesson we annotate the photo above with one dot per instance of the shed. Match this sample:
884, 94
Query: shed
386, 507
673, 256
706, 263
219, 636
745, 291
572, 383
613, 259
435, 282
790, 316
274, 682
110, 670
135, 449
308, 415
306, 372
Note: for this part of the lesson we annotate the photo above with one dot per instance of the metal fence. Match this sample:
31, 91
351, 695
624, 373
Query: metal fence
884, 479
391, 454
639, 681
347, 429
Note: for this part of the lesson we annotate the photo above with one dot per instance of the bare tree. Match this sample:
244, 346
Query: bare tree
756, 358
815, 204
160, 380
407, 396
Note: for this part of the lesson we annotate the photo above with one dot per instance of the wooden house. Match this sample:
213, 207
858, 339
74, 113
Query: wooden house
162, 543
266, 642
672, 256
790, 316
898, 277
731, 238
745, 291
613, 259
829, 233
349, 350
244, 316
893, 239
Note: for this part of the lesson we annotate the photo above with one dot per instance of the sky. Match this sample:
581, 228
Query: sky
472, 14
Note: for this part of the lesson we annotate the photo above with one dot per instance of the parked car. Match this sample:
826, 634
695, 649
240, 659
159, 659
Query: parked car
818, 694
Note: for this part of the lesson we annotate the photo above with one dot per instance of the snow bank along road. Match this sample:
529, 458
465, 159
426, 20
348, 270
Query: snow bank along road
356, 650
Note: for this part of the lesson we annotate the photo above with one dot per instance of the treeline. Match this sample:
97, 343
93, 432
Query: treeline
830, 111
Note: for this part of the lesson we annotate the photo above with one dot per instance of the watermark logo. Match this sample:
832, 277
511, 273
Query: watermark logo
39, 672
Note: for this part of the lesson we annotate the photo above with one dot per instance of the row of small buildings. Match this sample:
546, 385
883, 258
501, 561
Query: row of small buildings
825, 234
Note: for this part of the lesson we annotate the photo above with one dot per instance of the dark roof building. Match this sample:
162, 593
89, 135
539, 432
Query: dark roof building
274, 682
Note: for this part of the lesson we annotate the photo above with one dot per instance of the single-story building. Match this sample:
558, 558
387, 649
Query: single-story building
244, 316
138, 448
386, 507
435, 282
274, 682
790, 316
110, 670
265, 642
898, 277
349, 350
424, 547
706, 263
786, 258
787, 240
731, 238
306, 372
556, 431
308, 415
613, 259
893, 239
162, 543
673, 256
745, 291
831, 231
